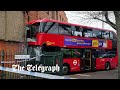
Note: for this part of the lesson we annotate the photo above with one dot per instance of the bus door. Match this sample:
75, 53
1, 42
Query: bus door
86, 59
93, 60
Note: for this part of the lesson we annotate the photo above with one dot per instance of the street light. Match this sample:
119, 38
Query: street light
102, 22
103, 13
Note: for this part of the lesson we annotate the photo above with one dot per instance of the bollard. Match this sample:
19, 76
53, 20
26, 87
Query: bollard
2, 54
61, 63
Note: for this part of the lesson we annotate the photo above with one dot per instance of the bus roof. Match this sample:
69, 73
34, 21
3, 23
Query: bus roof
71, 24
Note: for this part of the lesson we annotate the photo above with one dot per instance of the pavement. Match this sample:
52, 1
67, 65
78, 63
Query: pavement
111, 74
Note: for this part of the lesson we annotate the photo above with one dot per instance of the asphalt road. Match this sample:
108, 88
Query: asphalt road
111, 74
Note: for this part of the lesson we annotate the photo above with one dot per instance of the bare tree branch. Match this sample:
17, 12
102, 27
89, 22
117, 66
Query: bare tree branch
108, 20
27, 12
111, 24
104, 16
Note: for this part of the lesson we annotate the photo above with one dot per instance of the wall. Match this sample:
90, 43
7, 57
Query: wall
2, 25
34, 15
11, 26
11, 30
10, 46
63, 16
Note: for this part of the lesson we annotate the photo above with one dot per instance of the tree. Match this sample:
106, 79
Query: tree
28, 16
117, 19
105, 16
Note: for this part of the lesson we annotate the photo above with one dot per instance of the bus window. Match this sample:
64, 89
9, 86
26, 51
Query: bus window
105, 34
32, 30
35, 27
76, 53
87, 32
99, 52
28, 31
107, 56
111, 35
97, 34
67, 53
111, 52
114, 36
73, 30
114, 41
50, 27
65, 29
71, 53
78, 31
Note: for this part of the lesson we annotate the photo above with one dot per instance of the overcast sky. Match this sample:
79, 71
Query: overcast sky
76, 19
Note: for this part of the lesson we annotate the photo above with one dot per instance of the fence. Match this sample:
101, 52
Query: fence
49, 59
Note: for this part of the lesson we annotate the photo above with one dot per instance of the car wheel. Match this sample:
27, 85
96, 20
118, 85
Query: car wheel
107, 66
65, 69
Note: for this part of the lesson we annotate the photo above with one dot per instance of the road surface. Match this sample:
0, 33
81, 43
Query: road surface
111, 74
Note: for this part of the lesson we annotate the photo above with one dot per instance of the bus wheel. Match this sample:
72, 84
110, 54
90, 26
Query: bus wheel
107, 66
65, 69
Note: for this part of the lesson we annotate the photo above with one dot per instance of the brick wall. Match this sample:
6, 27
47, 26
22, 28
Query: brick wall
63, 16
10, 50
12, 29
56, 15
11, 46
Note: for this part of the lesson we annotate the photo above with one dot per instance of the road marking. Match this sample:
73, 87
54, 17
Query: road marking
82, 75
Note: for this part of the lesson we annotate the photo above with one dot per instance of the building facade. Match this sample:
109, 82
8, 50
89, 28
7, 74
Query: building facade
56, 15
12, 26
11, 30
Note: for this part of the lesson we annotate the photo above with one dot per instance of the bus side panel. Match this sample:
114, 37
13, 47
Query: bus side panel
109, 44
74, 64
114, 62
100, 63
40, 38
117, 61
52, 40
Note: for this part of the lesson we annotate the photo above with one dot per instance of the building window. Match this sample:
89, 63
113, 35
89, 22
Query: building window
28, 15
47, 12
56, 15
60, 17
53, 15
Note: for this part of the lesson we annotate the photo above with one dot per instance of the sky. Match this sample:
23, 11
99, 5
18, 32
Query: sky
76, 19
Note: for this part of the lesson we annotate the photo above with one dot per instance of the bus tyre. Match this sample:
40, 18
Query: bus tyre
65, 69
107, 66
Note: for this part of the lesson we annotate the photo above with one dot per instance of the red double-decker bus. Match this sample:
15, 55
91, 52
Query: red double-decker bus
84, 48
